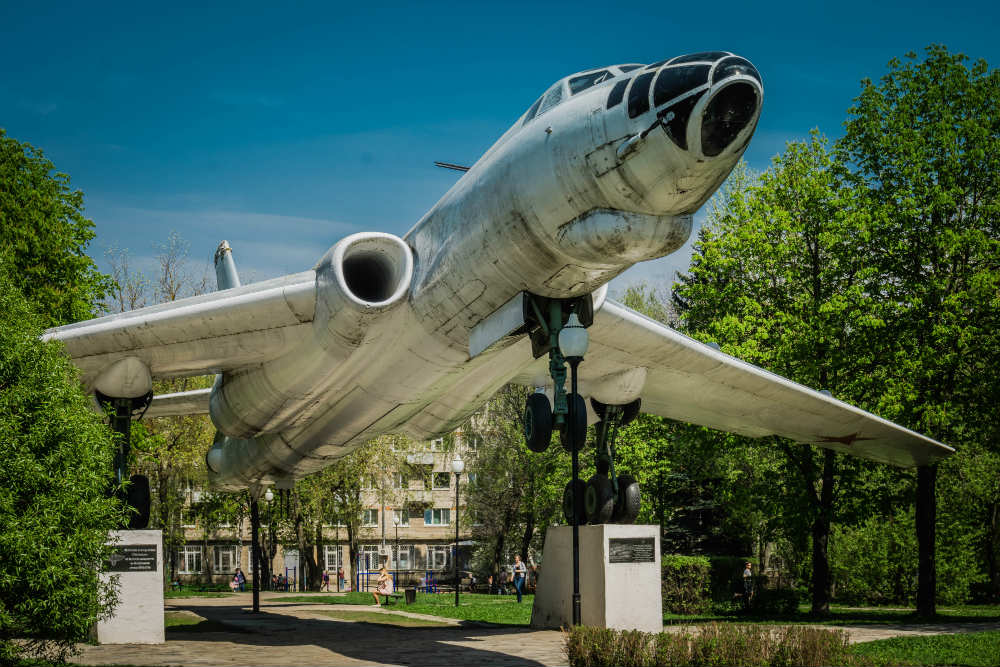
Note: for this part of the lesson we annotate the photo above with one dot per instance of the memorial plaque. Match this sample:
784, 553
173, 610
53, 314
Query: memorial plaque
132, 558
632, 550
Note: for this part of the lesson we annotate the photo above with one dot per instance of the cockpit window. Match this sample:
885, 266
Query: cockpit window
638, 95
532, 111
584, 81
617, 93
552, 98
628, 68
699, 57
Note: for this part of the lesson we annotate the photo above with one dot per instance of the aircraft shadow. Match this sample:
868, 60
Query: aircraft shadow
372, 642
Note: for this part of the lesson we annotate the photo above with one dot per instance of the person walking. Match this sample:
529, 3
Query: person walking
340, 578
241, 579
520, 571
747, 586
326, 581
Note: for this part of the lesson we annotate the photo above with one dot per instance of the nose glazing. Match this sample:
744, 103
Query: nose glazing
682, 82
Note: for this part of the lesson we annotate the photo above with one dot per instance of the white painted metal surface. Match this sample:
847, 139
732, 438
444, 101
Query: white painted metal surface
376, 338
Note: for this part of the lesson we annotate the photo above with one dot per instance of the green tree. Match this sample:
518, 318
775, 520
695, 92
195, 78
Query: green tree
54, 506
925, 144
781, 281
44, 233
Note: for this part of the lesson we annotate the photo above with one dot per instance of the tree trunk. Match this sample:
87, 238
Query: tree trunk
926, 519
821, 538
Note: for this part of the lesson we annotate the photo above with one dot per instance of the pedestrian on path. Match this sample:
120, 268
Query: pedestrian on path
241, 579
520, 571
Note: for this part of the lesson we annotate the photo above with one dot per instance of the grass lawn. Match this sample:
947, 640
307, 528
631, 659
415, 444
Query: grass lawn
183, 621
196, 594
381, 618
974, 649
500, 609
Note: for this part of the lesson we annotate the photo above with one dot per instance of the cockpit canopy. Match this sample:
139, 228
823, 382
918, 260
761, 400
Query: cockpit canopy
573, 85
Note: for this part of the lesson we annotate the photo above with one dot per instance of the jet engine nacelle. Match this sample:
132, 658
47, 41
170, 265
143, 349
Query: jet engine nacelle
358, 281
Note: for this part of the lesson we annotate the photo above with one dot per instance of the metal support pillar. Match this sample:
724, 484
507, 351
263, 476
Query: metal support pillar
457, 476
574, 362
255, 549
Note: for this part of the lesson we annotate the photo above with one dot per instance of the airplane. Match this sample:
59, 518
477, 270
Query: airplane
412, 335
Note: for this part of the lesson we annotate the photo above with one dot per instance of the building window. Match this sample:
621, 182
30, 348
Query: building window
370, 559
442, 480
369, 518
226, 559
437, 517
402, 515
437, 556
190, 559
333, 557
401, 481
188, 518
403, 558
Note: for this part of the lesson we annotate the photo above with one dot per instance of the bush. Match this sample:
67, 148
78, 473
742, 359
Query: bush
54, 512
782, 602
714, 644
685, 584
727, 576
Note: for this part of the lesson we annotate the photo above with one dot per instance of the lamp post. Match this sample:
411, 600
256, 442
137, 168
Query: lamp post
573, 342
255, 543
395, 561
457, 466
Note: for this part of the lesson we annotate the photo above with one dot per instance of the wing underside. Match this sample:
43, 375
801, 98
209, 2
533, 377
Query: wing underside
689, 381
211, 333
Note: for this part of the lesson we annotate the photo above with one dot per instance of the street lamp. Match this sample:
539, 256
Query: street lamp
395, 561
255, 544
457, 466
573, 342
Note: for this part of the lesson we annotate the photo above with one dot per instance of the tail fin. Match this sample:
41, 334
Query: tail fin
225, 268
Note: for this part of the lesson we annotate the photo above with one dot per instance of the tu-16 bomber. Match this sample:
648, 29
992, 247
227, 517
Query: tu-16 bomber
413, 334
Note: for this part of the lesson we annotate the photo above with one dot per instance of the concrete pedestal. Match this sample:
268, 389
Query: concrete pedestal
619, 578
138, 563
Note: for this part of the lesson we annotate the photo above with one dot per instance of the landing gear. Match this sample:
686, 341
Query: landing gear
134, 490
568, 496
537, 423
612, 498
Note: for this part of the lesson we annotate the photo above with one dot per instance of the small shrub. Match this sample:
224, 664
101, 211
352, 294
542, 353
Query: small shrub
685, 584
713, 645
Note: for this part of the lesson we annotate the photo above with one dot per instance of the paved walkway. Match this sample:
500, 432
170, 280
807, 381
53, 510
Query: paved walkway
296, 634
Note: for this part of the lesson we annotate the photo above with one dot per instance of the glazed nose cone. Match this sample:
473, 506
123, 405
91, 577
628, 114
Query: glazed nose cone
728, 112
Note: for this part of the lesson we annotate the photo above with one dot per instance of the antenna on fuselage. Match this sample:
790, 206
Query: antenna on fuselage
448, 165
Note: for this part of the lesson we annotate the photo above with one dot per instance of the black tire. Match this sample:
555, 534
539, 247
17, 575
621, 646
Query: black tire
600, 408
580, 423
631, 411
537, 423
599, 500
138, 499
628, 502
581, 516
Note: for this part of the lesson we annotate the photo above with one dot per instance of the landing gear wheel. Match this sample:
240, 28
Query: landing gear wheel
537, 423
581, 488
628, 502
600, 499
139, 500
578, 427
631, 411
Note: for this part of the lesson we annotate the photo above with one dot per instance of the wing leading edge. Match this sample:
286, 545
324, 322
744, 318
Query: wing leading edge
689, 381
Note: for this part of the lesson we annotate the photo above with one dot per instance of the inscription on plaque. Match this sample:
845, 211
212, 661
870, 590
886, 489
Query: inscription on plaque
631, 550
132, 558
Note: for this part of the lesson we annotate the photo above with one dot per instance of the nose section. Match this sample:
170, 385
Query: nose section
728, 112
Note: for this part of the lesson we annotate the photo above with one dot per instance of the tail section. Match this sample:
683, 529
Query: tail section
225, 268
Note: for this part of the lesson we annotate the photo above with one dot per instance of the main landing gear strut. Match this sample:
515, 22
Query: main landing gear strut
607, 497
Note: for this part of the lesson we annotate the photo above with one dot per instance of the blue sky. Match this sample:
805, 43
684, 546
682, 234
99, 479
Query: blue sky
284, 128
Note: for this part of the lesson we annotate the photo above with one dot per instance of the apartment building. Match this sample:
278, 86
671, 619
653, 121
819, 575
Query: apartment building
408, 523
